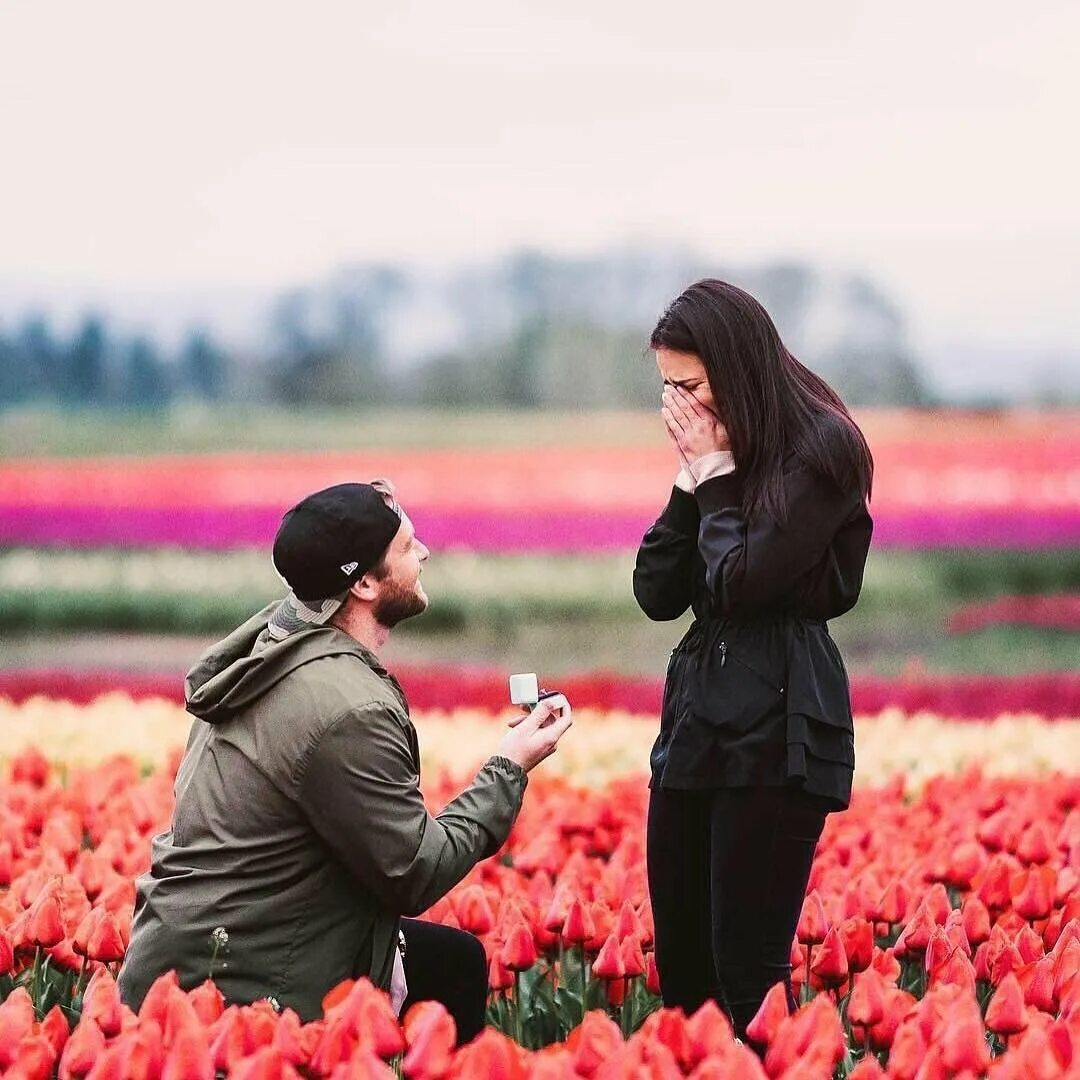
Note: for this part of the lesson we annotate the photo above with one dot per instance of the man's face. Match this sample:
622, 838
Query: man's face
400, 593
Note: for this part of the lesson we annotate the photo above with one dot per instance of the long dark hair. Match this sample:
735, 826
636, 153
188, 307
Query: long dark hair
769, 403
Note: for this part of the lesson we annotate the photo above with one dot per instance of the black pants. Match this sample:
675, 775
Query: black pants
727, 876
447, 965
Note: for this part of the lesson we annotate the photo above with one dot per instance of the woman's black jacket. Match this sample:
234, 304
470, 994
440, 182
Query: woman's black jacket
756, 691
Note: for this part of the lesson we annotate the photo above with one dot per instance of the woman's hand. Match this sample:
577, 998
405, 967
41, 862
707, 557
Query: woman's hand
694, 429
684, 461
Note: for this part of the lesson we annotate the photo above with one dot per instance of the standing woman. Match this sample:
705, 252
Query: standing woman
765, 537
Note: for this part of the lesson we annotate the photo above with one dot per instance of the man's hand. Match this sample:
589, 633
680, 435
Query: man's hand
693, 428
535, 736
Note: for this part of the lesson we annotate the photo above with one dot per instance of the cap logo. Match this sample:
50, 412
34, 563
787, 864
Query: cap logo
349, 567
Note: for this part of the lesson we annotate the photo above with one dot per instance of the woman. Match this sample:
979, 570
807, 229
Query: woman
765, 536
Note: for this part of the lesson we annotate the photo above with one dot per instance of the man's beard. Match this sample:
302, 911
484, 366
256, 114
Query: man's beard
396, 604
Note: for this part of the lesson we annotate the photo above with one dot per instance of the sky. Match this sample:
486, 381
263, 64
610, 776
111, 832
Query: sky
247, 145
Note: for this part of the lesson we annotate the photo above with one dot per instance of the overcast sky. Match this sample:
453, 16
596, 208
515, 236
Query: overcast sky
932, 145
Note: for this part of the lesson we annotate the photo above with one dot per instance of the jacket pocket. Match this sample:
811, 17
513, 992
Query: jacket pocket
736, 692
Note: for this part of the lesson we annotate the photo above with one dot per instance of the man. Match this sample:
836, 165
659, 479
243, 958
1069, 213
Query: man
299, 837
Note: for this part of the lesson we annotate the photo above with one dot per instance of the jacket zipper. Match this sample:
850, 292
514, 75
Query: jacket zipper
749, 667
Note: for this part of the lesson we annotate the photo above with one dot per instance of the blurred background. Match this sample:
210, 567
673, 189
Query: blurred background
248, 253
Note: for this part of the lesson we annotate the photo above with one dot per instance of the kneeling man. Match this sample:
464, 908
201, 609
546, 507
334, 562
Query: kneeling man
300, 837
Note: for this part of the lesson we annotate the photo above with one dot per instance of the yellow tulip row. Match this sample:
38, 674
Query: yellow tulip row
601, 745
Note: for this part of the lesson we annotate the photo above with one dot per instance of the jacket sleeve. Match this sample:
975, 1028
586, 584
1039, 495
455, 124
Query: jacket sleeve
361, 792
753, 565
663, 573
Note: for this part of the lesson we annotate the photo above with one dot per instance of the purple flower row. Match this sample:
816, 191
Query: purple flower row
215, 528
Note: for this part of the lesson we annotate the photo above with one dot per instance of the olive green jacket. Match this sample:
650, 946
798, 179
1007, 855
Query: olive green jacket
299, 826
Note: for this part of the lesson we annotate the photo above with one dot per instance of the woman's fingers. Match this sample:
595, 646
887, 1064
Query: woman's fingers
676, 407
673, 423
692, 404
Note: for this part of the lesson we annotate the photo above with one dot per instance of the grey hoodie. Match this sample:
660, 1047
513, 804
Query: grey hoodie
299, 827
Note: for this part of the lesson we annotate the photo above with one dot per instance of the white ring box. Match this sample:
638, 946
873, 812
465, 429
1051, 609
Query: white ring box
525, 691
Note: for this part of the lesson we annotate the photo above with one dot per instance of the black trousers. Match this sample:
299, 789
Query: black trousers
447, 965
728, 870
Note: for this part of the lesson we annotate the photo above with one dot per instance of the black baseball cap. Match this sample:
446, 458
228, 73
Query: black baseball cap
330, 539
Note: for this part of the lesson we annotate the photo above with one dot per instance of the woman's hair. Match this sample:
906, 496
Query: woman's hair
769, 403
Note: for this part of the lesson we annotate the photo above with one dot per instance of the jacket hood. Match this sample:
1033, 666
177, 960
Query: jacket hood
242, 667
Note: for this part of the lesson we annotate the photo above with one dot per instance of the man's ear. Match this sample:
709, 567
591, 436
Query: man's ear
365, 588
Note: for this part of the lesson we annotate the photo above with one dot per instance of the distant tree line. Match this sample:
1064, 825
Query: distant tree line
530, 330
94, 366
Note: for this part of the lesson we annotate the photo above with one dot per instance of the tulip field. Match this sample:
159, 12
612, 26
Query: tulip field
940, 935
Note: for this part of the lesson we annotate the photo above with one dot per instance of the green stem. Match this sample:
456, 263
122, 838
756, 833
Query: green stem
519, 1020
79, 981
34, 979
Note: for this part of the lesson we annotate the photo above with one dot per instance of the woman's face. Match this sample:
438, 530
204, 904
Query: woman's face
686, 370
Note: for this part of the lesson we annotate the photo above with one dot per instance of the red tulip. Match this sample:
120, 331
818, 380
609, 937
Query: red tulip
7, 860
652, 975
55, 1028
489, 1055
964, 862
609, 963
106, 944
708, 1034
771, 1013
866, 1006
519, 951
1007, 959
963, 1043
431, 1035
188, 1058
85, 1047
976, 920
830, 964
7, 954
207, 1002
155, 1003
16, 1023
1005, 1015
45, 926
993, 889
266, 1063
892, 908
867, 1069
1034, 898
915, 937
579, 926
813, 923
1035, 845
668, 1027
101, 1002
499, 977
633, 959
907, 1053
1037, 982
898, 1004
858, 937
474, 912
594, 1042
35, 1058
